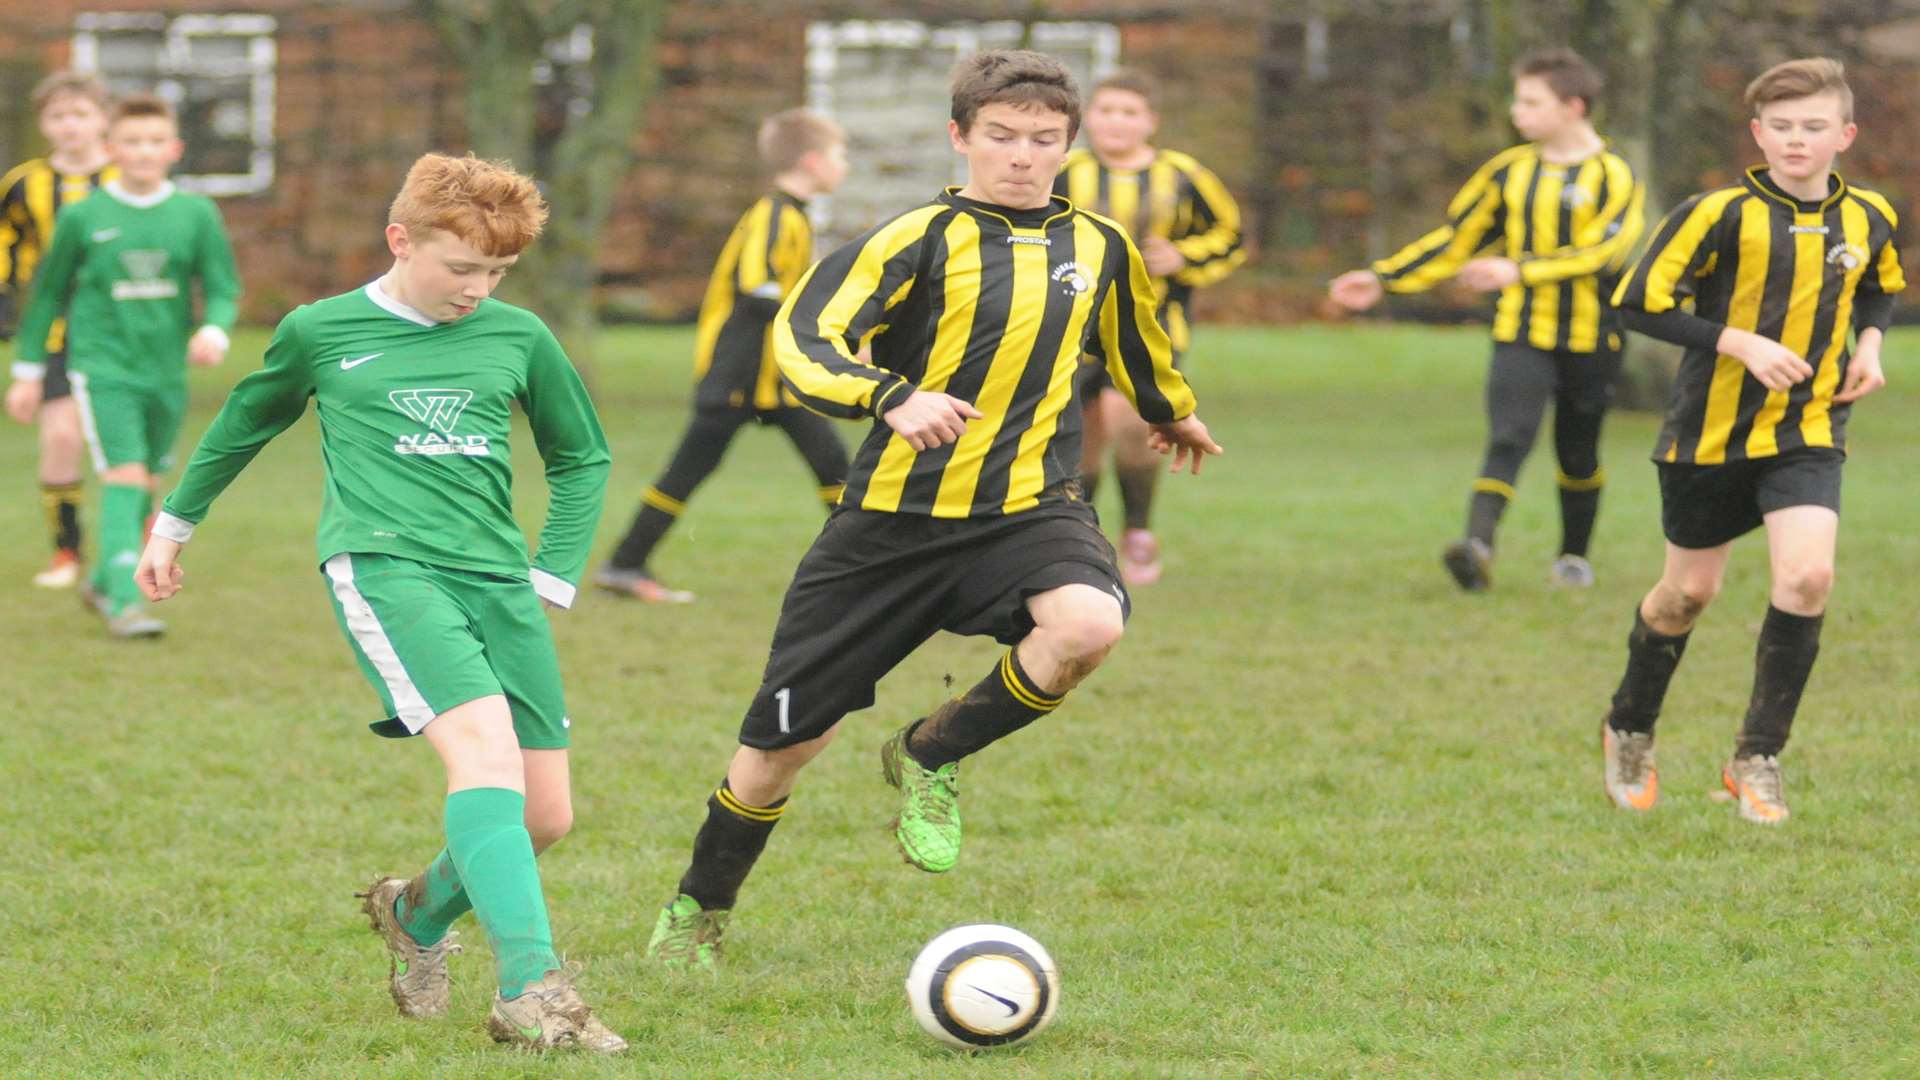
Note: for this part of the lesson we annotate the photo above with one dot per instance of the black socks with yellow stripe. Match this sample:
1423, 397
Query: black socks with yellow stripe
1001, 704
728, 845
62, 505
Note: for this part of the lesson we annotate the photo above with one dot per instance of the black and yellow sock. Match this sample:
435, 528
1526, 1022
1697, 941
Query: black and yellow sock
1652, 658
62, 505
658, 512
1579, 505
727, 846
1489, 502
999, 705
1781, 663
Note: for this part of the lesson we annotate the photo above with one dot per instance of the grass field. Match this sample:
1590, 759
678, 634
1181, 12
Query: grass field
1320, 815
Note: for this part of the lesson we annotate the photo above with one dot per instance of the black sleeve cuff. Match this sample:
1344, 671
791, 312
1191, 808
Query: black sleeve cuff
1873, 311
1680, 327
891, 397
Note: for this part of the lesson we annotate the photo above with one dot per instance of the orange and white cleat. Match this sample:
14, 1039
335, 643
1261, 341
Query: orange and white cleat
62, 573
638, 585
1755, 781
1631, 779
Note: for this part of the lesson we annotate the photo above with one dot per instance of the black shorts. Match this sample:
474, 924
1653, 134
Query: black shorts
875, 586
54, 384
1704, 506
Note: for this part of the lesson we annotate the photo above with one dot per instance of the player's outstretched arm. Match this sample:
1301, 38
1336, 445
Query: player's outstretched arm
1130, 339
574, 448
159, 574
261, 406
1188, 439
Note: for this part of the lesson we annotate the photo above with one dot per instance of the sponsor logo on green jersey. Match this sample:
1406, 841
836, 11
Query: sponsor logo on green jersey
439, 408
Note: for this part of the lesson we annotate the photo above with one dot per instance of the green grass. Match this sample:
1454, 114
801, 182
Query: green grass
1319, 815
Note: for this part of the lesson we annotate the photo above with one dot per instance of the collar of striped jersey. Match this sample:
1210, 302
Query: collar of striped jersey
1760, 182
1037, 218
144, 202
383, 300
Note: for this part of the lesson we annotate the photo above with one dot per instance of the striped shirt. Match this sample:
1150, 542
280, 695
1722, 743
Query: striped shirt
1570, 227
32, 194
991, 305
769, 249
1750, 256
1174, 197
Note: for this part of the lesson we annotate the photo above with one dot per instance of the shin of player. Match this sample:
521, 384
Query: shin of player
122, 269
961, 513
72, 109
1567, 211
737, 380
1755, 430
416, 377
1188, 228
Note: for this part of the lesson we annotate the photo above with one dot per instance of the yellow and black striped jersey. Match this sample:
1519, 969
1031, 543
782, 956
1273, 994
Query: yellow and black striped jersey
1752, 257
770, 248
32, 194
1570, 227
994, 306
1174, 197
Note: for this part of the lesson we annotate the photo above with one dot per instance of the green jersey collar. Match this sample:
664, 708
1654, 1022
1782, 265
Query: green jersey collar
143, 202
394, 307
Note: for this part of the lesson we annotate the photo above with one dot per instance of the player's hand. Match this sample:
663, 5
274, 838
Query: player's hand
23, 399
1161, 257
1489, 274
1864, 374
1187, 438
1776, 367
158, 576
206, 349
928, 419
1356, 290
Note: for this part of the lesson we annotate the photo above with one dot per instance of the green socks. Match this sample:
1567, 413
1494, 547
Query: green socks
429, 907
123, 517
488, 845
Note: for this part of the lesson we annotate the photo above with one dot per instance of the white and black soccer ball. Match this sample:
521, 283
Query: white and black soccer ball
983, 985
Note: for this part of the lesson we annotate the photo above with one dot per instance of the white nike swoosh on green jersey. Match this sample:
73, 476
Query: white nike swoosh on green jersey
349, 365
104, 235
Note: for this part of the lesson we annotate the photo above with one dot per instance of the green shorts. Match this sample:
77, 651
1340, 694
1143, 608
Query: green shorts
429, 638
127, 424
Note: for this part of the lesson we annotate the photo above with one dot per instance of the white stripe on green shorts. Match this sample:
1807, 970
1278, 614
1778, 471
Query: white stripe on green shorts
408, 705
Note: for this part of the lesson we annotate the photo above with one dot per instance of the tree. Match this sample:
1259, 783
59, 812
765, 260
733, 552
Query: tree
557, 87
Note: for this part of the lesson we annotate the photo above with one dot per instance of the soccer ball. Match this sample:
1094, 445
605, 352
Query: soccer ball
983, 985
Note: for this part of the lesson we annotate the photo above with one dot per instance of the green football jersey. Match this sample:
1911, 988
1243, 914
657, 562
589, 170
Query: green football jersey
414, 423
121, 268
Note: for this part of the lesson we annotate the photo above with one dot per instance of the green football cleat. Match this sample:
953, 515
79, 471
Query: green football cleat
928, 828
688, 936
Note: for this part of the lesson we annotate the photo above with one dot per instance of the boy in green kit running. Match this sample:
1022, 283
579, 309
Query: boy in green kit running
414, 378
121, 270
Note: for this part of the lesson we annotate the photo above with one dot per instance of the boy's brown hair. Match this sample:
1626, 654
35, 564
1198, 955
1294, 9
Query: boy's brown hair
77, 83
1133, 81
136, 106
1018, 77
786, 137
1799, 79
1566, 73
485, 203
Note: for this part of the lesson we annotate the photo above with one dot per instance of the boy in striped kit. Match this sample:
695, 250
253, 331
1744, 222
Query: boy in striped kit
1781, 269
1565, 211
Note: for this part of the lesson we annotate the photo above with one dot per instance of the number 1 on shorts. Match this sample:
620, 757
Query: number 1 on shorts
785, 697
